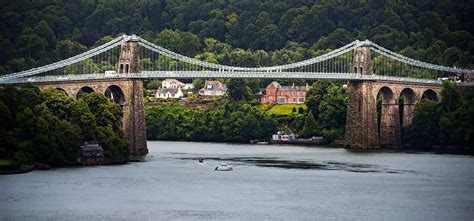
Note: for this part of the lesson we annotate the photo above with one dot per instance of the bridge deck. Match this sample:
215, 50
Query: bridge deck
219, 74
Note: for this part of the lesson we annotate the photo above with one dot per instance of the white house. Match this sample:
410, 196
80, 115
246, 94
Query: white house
172, 83
169, 93
213, 88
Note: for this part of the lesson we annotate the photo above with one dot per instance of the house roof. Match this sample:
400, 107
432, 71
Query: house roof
215, 85
275, 84
174, 81
172, 91
293, 88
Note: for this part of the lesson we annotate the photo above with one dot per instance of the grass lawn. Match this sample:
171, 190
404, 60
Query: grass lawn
284, 109
4, 162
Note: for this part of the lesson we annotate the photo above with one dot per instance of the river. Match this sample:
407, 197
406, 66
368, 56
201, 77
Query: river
269, 182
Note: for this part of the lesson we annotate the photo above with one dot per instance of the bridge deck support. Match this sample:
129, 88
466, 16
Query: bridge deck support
361, 122
390, 125
408, 110
134, 119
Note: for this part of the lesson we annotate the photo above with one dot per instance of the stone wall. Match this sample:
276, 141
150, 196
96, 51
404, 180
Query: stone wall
362, 127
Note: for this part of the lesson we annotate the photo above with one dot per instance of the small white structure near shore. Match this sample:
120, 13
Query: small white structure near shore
283, 136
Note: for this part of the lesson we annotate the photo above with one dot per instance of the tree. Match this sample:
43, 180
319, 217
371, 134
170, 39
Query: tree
333, 108
67, 48
315, 95
424, 126
43, 30
238, 89
29, 44
311, 126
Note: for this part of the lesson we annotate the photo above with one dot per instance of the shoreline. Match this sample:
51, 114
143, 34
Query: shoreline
404, 149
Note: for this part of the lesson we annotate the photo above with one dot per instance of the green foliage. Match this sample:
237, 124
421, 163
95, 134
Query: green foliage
232, 122
446, 123
238, 90
244, 32
49, 126
311, 126
328, 103
424, 128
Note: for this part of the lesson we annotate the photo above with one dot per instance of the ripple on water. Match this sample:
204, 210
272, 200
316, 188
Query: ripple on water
304, 165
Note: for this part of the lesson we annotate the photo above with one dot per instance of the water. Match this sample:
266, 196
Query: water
268, 182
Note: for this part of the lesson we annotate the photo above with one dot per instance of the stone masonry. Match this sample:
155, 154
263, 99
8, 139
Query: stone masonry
362, 127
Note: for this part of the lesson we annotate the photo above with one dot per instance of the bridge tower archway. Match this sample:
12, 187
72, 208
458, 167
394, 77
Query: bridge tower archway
84, 90
389, 126
430, 95
115, 94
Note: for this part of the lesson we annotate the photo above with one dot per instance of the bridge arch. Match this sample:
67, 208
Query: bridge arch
389, 118
407, 102
430, 94
84, 90
115, 94
62, 90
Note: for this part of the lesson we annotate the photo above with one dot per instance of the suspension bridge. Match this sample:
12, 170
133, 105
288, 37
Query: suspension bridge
118, 67
158, 62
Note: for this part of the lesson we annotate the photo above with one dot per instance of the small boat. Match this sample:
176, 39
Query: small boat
262, 143
223, 167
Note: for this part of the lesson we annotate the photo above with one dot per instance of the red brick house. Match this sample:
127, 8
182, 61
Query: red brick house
275, 93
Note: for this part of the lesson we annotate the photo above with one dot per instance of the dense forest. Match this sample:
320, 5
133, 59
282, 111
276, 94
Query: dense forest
243, 32
48, 126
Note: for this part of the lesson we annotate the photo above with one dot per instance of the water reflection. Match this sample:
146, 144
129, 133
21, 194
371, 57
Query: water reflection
302, 164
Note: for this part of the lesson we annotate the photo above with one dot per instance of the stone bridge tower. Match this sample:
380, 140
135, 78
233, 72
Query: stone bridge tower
133, 110
361, 120
129, 60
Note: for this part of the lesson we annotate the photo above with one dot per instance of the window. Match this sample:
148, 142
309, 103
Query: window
294, 100
301, 99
